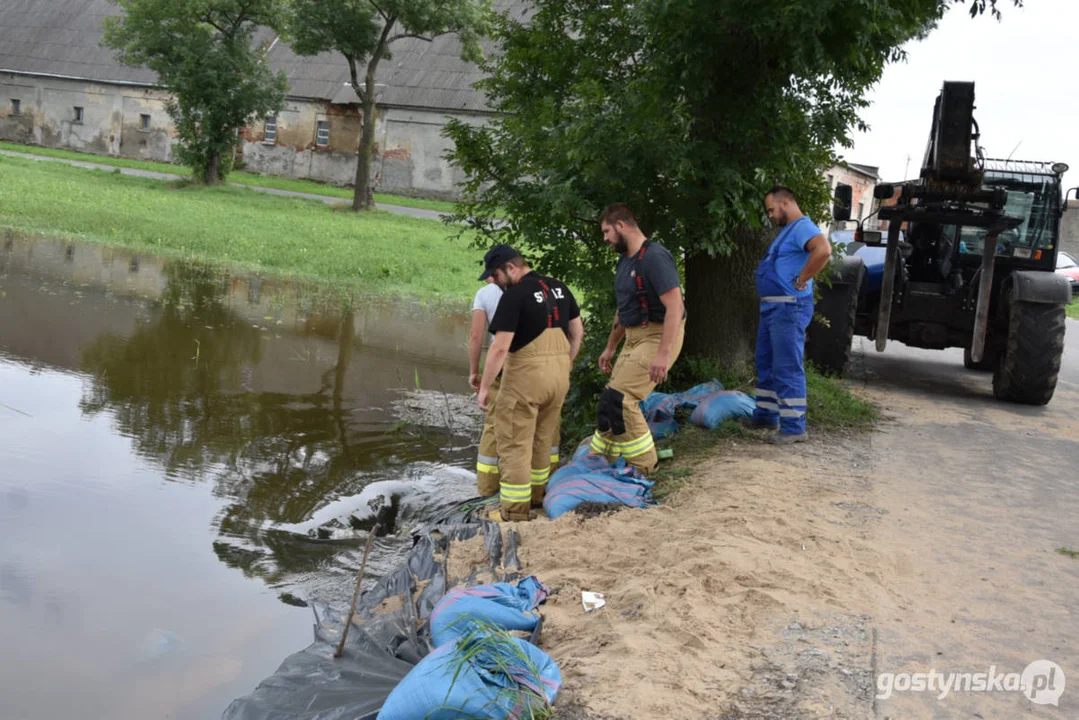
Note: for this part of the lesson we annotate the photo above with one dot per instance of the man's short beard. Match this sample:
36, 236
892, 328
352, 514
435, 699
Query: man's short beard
620, 244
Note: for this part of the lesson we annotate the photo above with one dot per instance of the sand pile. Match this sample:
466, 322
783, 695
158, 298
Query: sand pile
736, 598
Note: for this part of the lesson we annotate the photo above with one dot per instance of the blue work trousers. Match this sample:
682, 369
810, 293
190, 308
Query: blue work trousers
781, 377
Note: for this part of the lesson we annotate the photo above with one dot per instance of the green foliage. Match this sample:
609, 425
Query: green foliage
1073, 309
688, 110
204, 55
237, 226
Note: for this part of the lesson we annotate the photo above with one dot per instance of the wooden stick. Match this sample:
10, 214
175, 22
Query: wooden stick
356, 593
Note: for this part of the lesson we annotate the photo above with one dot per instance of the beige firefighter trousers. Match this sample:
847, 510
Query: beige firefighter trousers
487, 474
630, 377
535, 380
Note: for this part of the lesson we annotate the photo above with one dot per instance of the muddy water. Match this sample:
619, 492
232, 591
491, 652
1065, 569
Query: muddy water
187, 458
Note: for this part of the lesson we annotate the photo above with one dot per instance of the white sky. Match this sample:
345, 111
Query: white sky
1025, 70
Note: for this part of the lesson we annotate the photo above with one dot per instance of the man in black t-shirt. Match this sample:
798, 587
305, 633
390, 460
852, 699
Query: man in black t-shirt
538, 332
651, 317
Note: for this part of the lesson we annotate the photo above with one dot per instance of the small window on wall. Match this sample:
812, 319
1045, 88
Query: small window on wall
144, 123
269, 130
322, 136
78, 114
16, 106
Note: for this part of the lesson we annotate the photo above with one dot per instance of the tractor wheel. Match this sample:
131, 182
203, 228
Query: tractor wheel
987, 364
829, 348
1028, 368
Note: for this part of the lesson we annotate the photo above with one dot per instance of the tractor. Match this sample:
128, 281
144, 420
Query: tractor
967, 261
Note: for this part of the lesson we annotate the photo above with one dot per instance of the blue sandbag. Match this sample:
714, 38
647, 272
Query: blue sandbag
659, 408
716, 408
494, 683
510, 607
593, 479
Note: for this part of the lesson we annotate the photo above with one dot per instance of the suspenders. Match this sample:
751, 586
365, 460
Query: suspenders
642, 294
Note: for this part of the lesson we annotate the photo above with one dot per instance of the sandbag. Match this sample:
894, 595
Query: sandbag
510, 607
714, 409
659, 408
483, 676
593, 479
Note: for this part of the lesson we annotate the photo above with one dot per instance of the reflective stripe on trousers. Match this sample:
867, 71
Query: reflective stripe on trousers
535, 380
781, 382
630, 377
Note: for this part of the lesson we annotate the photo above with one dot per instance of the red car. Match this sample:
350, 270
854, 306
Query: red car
1067, 267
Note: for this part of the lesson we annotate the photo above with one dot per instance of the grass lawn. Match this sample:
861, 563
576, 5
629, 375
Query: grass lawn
238, 177
1073, 309
376, 253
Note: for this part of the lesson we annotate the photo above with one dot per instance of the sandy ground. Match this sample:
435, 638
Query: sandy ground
780, 582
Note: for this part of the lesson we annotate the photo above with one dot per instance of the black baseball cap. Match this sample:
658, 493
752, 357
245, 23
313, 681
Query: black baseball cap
496, 257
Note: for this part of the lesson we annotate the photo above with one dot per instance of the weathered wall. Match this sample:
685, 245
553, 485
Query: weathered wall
110, 123
409, 146
408, 157
1069, 229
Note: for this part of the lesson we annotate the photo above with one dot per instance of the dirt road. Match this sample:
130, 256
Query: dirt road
783, 583
978, 496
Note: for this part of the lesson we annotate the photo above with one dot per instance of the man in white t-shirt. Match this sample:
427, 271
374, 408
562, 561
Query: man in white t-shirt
483, 310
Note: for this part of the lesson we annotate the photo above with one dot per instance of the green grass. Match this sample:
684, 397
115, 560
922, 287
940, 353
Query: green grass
238, 177
1068, 552
1073, 309
376, 253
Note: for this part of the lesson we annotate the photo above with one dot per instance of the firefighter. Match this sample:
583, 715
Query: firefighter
651, 317
483, 311
538, 332
785, 286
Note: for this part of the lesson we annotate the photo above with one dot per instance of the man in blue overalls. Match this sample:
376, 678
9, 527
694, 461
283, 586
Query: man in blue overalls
785, 286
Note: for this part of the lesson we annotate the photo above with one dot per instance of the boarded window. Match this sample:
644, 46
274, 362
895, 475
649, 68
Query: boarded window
322, 136
269, 130
144, 123
78, 114
16, 106
861, 211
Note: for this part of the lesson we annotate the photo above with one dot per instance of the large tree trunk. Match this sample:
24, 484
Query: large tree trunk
363, 198
212, 174
721, 300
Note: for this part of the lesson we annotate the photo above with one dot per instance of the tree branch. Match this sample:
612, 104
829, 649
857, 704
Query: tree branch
354, 76
399, 36
380, 10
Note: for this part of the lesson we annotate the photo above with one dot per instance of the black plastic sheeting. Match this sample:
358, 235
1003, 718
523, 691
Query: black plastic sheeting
381, 647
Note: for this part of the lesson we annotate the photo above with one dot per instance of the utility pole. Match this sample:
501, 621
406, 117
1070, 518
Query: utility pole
906, 167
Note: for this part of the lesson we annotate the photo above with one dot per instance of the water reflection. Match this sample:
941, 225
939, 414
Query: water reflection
256, 401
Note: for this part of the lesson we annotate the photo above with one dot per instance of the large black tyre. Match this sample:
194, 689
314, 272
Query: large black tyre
829, 348
1028, 367
988, 363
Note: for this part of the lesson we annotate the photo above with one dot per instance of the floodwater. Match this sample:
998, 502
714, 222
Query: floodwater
187, 458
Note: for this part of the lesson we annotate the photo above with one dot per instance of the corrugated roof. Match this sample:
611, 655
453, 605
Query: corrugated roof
62, 37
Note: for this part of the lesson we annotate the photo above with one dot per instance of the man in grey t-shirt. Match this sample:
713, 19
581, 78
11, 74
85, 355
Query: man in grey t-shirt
651, 317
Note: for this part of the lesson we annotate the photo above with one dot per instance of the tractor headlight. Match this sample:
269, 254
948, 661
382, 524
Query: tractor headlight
1059, 168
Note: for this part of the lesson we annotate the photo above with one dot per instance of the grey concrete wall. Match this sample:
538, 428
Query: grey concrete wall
409, 149
1069, 229
412, 159
110, 123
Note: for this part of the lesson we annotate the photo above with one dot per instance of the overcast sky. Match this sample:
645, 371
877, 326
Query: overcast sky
1025, 70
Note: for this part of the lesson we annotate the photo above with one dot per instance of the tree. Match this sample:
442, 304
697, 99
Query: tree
364, 30
688, 110
204, 55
